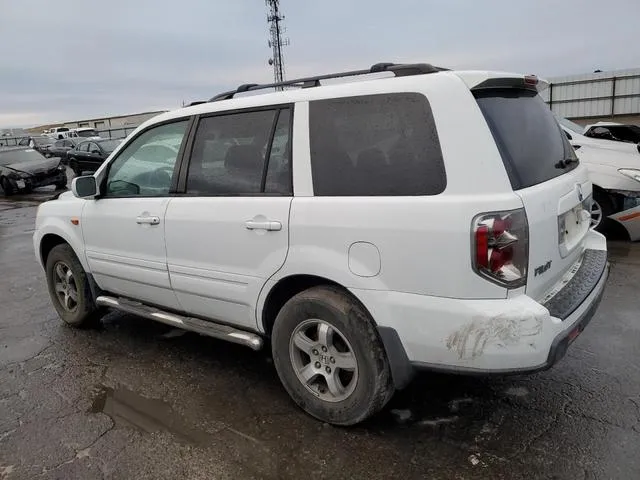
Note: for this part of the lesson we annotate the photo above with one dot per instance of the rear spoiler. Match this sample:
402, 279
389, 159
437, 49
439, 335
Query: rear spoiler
478, 80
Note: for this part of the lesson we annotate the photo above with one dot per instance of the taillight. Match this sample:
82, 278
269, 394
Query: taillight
501, 247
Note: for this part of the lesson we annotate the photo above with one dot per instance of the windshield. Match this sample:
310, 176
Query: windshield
19, 156
568, 124
87, 133
110, 145
529, 139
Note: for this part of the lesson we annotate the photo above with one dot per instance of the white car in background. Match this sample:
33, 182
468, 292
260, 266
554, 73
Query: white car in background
617, 132
614, 168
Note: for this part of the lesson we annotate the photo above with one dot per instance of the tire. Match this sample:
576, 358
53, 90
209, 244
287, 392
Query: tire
6, 187
82, 311
363, 386
602, 207
73, 165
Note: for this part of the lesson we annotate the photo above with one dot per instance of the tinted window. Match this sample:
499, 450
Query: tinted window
375, 145
229, 153
87, 133
110, 145
279, 169
84, 147
134, 173
529, 138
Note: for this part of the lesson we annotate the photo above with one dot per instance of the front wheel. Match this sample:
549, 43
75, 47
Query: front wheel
6, 187
69, 288
330, 358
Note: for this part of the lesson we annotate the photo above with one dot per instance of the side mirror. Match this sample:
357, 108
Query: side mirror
84, 187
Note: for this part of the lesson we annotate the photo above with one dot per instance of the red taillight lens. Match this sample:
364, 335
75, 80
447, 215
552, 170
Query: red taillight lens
501, 247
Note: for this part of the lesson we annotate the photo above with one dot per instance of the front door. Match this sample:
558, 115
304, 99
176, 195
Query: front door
229, 232
124, 228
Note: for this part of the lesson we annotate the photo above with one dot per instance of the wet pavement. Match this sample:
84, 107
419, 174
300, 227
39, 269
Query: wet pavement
135, 399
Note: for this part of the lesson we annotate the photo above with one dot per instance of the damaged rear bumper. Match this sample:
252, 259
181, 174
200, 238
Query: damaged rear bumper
506, 336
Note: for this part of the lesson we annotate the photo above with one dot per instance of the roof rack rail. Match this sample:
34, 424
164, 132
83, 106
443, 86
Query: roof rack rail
398, 69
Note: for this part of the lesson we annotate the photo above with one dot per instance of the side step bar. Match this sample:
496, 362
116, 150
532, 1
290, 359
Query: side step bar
203, 327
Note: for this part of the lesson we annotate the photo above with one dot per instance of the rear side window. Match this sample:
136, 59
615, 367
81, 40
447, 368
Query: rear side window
375, 145
532, 145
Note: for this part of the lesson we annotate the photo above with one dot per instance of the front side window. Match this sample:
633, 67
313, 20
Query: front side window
375, 145
229, 154
135, 172
84, 147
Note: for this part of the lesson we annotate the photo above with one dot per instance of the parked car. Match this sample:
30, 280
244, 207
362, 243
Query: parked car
88, 155
614, 168
23, 169
372, 244
617, 132
84, 132
39, 143
62, 147
57, 133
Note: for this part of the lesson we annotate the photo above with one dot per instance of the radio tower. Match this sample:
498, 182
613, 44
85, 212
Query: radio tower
276, 42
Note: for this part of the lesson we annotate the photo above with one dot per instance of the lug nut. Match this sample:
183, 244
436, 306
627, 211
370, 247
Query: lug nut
324, 349
332, 360
318, 365
328, 369
315, 351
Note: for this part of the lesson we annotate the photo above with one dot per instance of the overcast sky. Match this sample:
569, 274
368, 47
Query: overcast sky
65, 60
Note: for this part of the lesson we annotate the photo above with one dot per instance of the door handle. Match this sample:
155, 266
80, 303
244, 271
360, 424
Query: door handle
263, 225
150, 220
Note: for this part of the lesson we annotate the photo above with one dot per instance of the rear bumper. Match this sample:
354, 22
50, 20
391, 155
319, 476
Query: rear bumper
513, 335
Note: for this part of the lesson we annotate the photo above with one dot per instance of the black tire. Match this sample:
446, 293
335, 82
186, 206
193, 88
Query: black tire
73, 165
86, 313
607, 208
374, 385
6, 187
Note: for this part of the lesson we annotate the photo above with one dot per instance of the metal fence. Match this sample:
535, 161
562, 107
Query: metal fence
114, 133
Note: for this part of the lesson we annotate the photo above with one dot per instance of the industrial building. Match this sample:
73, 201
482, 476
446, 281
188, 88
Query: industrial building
103, 123
612, 96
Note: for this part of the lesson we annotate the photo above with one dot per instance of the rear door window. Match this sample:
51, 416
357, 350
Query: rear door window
532, 145
235, 155
375, 145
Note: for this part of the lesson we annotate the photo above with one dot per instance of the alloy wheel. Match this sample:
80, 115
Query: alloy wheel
65, 287
323, 360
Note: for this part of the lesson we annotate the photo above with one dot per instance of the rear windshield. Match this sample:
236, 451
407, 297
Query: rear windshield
530, 140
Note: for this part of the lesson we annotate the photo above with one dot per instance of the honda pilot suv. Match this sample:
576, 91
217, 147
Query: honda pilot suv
349, 227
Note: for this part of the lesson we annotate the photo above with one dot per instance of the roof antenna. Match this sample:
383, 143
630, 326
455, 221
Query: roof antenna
276, 41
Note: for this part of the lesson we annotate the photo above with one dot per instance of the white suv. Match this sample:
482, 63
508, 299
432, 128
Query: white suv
433, 219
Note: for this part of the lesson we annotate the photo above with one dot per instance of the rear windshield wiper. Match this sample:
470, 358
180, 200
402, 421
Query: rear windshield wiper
566, 162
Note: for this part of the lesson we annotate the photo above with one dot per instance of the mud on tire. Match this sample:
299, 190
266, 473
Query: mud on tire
297, 344
69, 288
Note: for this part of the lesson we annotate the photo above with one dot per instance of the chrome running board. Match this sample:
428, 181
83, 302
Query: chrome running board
203, 327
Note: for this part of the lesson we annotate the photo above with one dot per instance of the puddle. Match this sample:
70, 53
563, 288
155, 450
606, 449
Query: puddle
128, 409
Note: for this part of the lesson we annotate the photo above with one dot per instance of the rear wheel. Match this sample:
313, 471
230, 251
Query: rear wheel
73, 164
330, 358
601, 208
69, 288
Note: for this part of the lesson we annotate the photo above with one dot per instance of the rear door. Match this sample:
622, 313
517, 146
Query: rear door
545, 173
229, 231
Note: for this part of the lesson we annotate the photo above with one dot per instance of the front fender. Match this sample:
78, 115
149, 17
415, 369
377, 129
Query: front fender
55, 218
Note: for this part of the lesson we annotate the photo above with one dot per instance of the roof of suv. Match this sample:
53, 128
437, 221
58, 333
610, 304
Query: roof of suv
360, 83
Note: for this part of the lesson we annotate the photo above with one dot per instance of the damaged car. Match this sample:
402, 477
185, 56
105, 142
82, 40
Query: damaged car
23, 169
614, 169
